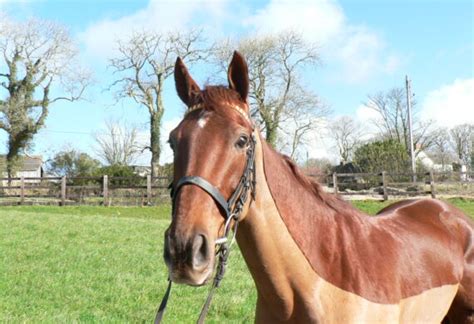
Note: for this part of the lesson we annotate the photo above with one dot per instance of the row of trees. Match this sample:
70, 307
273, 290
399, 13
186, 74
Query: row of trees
118, 146
39, 57
386, 147
75, 164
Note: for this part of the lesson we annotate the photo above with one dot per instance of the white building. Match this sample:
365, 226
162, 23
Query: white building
429, 164
30, 167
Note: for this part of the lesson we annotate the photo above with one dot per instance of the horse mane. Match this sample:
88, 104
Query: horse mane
333, 201
214, 97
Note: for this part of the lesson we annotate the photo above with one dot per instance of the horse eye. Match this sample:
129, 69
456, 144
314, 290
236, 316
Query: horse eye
243, 140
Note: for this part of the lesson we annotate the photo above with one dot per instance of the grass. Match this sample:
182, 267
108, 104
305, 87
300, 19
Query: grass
96, 264
372, 207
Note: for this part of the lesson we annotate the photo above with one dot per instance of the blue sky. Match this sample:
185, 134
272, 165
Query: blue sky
365, 47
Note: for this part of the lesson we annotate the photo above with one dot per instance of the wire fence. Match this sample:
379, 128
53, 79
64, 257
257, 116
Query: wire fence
147, 191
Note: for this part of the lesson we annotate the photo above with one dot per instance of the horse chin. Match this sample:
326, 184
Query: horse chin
199, 284
192, 279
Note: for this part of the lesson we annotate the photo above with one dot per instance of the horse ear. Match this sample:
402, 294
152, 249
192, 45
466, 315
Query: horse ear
238, 75
187, 88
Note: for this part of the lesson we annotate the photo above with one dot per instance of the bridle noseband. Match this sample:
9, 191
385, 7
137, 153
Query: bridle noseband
231, 207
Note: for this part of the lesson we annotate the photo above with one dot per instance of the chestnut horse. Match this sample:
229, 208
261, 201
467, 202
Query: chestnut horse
313, 257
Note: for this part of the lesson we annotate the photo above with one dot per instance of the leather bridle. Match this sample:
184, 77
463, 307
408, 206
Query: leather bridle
232, 209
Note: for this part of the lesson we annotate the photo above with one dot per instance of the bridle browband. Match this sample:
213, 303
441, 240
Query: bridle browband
231, 207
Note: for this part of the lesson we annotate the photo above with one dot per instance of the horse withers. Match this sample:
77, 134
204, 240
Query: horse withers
313, 257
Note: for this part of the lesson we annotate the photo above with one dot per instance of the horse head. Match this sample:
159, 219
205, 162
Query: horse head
212, 146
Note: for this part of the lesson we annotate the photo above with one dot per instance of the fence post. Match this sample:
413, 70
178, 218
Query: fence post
432, 185
22, 190
148, 190
63, 191
334, 182
384, 185
105, 190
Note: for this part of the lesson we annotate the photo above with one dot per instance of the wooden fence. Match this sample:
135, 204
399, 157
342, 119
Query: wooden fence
385, 185
144, 191
103, 190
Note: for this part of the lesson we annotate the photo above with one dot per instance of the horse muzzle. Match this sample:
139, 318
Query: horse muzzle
190, 260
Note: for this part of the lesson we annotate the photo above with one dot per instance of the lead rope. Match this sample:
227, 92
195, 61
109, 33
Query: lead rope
164, 302
221, 267
223, 255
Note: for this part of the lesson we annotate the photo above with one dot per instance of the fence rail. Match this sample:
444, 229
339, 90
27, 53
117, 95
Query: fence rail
385, 185
65, 191
149, 190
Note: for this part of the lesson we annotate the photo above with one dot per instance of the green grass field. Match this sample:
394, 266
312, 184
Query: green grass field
96, 264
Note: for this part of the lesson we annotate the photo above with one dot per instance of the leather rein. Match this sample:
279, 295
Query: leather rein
232, 209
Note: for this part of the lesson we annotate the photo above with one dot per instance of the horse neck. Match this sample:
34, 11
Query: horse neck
279, 268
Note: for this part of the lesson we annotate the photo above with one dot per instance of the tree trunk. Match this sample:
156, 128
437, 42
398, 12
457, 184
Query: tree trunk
271, 135
10, 167
12, 156
155, 146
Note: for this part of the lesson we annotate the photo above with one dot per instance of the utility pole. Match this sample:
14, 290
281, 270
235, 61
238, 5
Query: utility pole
410, 128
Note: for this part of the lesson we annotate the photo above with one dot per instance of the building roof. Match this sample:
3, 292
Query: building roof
347, 168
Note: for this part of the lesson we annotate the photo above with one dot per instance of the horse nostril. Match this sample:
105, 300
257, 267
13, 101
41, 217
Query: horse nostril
200, 252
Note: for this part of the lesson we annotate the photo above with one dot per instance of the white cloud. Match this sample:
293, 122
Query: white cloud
21, 3
365, 114
362, 54
100, 38
318, 20
448, 106
368, 118
168, 126
359, 52
321, 146
451, 104
166, 152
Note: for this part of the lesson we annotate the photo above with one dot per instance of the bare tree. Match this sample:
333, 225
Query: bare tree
145, 61
462, 141
276, 63
304, 114
441, 149
346, 133
392, 121
317, 168
37, 56
119, 144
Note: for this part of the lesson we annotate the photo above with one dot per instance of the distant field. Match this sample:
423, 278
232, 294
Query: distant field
96, 264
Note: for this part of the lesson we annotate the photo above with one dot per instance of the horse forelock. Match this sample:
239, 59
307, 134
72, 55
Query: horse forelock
221, 100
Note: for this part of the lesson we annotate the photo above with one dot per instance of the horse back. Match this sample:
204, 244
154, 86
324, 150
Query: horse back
435, 230
431, 214
458, 231
421, 244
